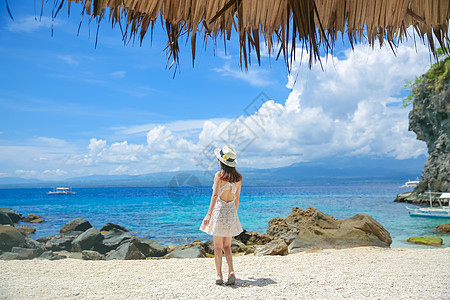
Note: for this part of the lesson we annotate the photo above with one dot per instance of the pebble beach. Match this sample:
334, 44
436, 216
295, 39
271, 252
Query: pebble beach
355, 273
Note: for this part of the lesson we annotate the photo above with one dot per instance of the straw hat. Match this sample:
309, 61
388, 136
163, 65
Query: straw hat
227, 155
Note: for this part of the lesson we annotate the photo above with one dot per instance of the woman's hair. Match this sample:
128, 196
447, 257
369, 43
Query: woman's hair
229, 173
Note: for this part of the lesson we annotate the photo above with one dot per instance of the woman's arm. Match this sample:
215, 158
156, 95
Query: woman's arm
213, 198
238, 193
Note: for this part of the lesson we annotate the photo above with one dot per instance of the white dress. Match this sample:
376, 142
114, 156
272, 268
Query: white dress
224, 219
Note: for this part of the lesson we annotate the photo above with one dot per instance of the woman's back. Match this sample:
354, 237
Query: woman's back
227, 190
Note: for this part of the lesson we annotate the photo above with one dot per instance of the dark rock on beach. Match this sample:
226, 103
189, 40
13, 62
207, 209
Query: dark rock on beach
87, 240
275, 247
78, 224
12, 214
5, 219
115, 237
191, 252
253, 238
92, 255
150, 248
58, 244
310, 228
51, 256
126, 251
109, 226
10, 237
69, 235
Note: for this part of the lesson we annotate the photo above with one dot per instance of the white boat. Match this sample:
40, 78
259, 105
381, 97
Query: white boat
61, 191
432, 212
411, 183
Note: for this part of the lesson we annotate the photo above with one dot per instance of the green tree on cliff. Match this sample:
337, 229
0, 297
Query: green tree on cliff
434, 78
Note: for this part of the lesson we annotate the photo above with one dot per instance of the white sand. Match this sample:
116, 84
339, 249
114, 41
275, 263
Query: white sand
359, 273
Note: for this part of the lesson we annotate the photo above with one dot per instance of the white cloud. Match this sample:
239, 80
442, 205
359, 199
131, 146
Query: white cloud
32, 24
118, 74
253, 76
26, 173
56, 172
70, 60
342, 111
49, 141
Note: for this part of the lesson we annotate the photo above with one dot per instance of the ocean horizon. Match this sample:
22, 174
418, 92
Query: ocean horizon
173, 214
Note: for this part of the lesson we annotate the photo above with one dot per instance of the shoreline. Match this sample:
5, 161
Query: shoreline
366, 272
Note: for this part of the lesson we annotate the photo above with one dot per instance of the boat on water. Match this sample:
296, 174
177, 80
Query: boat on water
433, 212
61, 191
411, 183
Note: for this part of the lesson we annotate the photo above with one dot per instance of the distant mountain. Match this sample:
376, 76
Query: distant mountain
335, 170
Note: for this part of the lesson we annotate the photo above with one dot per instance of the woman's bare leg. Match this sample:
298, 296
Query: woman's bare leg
228, 254
218, 247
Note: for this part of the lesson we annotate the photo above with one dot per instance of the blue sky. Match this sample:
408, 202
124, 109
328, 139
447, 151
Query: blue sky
70, 109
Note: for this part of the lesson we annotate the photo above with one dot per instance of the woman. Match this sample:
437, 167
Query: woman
222, 221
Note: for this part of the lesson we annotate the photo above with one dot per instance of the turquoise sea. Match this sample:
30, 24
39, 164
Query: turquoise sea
173, 216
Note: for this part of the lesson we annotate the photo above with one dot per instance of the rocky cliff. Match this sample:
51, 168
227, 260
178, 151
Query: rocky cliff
430, 120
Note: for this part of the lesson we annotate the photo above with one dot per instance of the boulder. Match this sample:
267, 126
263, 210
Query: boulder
51, 256
87, 240
426, 240
310, 228
253, 238
209, 247
78, 224
26, 229
149, 247
25, 253
237, 246
9, 256
126, 251
32, 218
58, 244
171, 248
114, 238
68, 235
275, 247
32, 244
5, 219
109, 226
10, 237
444, 228
92, 255
12, 214
191, 252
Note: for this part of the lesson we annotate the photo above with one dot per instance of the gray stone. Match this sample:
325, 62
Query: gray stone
209, 247
58, 244
10, 237
26, 229
115, 237
32, 244
191, 252
237, 246
92, 255
275, 247
25, 253
9, 256
88, 239
253, 238
78, 224
126, 251
12, 214
5, 219
149, 247
66, 235
51, 256
310, 228
109, 226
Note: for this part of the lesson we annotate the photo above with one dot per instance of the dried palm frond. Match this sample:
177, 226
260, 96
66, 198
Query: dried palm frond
314, 23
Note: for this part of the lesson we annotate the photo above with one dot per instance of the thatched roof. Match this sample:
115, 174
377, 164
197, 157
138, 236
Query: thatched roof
315, 24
